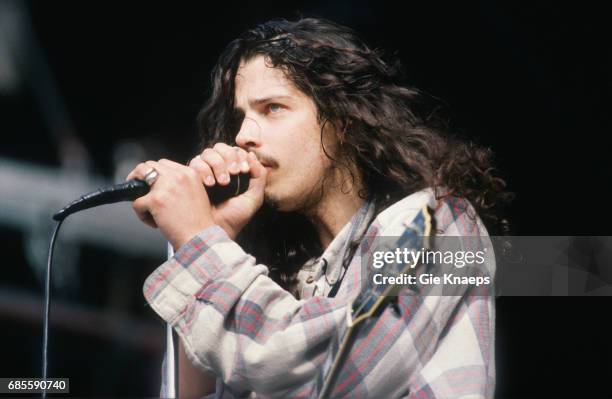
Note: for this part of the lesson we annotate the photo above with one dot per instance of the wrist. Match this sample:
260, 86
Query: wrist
231, 232
187, 236
231, 229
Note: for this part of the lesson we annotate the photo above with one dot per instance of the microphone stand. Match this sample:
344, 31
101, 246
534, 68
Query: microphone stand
129, 191
170, 376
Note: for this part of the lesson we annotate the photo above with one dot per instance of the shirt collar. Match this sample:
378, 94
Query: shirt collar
334, 253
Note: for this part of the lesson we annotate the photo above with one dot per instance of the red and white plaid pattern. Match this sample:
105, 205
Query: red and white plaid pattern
260, 341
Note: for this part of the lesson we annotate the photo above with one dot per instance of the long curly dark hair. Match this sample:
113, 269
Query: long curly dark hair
395, 135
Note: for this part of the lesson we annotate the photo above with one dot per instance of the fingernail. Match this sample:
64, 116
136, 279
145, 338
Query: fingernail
224, 177
233, 167
244, 165
209, 180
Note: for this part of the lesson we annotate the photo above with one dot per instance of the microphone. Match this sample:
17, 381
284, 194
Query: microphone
132, 189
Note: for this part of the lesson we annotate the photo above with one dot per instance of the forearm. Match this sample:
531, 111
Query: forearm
193, 383
235, 321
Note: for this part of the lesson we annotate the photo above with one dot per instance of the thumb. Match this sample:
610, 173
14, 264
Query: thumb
259, 175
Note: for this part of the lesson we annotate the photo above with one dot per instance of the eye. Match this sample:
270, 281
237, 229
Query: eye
274, 108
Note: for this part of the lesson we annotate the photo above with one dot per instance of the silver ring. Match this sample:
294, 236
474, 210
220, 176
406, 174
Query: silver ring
150, 177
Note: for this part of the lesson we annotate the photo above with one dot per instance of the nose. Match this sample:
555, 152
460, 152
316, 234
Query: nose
249, 135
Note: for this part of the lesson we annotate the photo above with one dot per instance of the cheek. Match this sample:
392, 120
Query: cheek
309, 160
297, 144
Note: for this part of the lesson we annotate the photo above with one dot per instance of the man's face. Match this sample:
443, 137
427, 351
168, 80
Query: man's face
280, 126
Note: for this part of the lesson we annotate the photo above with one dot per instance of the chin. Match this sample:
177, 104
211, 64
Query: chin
279, 202
273, 200
272, 203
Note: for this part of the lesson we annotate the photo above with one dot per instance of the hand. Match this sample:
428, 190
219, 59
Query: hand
214, 166
176, 203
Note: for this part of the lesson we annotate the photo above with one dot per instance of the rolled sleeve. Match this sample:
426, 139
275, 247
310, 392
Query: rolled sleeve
195, 272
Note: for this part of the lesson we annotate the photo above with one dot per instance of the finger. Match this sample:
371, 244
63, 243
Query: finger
138, 172
242, 157
179, 173
217, 164
144, 168
141, 208
257, 183
161, 169
171, 164
230, 156
257, 169
203, 170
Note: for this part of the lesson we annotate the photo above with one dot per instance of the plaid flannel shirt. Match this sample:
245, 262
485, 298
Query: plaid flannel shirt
260, 341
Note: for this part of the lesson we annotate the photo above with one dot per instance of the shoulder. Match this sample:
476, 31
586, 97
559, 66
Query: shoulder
454, 216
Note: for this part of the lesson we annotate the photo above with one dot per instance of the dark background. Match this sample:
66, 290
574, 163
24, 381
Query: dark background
531, 80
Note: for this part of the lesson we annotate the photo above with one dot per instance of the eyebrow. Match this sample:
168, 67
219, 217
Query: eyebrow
262, 100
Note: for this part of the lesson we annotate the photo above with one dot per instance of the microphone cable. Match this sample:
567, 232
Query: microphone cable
45, 345
127, 191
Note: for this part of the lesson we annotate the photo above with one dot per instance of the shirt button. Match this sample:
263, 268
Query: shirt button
309, 280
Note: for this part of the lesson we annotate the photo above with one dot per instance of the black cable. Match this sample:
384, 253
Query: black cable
47, 307
127, 191
132, 189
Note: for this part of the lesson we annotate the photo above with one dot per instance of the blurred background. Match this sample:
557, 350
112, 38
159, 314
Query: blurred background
89, 89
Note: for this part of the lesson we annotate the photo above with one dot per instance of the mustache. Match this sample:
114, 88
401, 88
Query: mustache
264, 159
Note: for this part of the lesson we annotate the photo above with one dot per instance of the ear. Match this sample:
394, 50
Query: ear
343, 127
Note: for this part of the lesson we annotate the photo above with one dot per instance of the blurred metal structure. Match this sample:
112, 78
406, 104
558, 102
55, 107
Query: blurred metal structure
10, 34
26, 63
25, 307
31, 194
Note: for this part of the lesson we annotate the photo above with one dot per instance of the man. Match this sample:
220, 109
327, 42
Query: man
337, 150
